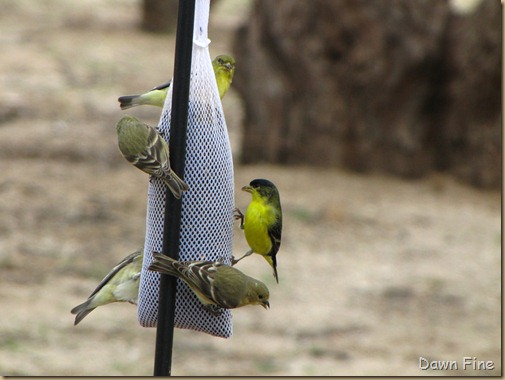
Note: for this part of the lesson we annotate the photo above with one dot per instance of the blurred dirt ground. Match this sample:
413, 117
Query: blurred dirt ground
374, 271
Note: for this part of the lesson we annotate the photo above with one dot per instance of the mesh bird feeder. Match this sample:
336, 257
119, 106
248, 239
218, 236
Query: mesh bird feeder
202, 152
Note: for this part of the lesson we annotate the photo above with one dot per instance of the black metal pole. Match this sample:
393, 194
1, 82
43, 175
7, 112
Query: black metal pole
177, 144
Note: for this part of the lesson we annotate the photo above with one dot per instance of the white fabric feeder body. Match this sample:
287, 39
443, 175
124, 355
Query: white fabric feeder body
207, 207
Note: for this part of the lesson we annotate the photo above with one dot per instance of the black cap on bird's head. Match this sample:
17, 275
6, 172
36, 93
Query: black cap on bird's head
263, 186
261, 183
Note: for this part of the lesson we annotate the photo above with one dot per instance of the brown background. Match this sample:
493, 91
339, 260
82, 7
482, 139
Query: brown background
374, 271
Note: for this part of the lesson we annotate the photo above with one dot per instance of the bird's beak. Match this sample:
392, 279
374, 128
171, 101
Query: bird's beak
266, 305
247, 189
228, 66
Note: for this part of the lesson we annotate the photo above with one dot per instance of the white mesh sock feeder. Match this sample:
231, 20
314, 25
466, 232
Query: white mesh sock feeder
200, 226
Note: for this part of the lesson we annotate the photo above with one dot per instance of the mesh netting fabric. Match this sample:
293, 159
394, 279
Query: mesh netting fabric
207, 207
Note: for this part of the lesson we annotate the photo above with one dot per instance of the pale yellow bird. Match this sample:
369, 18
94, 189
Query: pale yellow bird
120, 285
224, 68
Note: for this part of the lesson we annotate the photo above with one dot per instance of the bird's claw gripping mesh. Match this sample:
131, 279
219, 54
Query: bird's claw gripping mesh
207, 207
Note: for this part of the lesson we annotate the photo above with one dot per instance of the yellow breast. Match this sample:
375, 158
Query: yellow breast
258, 217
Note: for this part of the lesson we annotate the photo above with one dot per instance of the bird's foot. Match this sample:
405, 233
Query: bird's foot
214, 309
234, 260
237, 215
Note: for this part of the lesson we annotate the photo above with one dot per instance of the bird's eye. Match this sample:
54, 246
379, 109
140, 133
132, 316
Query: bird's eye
220, 61
260, 296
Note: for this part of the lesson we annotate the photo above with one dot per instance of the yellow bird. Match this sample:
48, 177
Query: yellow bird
262, 222
120, 285
224, 68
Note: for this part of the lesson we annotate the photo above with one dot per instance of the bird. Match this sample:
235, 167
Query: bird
217, 285
224, 68
120, 285
262, 222
145, 148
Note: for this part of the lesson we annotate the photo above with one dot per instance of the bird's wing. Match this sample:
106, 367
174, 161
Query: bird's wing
123, 263
201, 276
156, 159
275, 232
162, 86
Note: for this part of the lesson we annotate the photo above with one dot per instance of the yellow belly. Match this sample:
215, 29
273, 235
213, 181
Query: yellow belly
257, 219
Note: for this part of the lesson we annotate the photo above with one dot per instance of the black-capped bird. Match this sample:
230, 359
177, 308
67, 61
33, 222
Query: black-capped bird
144, 147
120, 285
262, 222
224, 68
214, 283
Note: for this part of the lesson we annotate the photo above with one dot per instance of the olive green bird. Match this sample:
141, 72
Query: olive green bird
224, 68
215, 284
262, 222
120, 285
145, 148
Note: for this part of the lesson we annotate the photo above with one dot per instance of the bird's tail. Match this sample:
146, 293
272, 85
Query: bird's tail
273, 263
163, 264
129, 101
176, 185
81, 310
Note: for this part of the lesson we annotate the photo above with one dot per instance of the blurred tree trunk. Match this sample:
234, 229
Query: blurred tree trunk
471, 133
159, 16
372, 85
